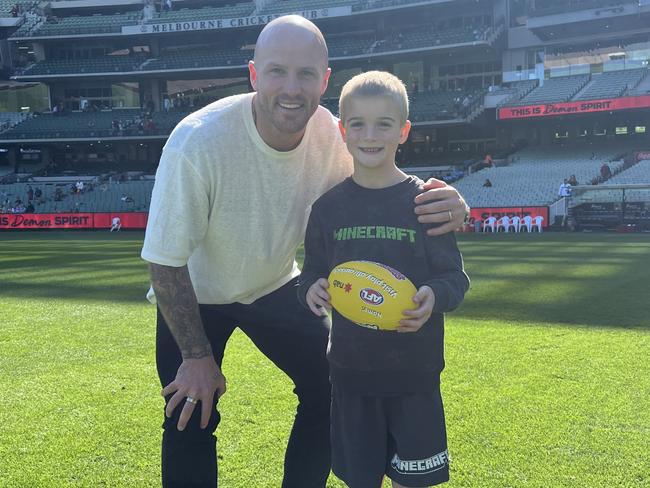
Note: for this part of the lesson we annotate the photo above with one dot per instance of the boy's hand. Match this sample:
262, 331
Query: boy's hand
425, 299
318, 299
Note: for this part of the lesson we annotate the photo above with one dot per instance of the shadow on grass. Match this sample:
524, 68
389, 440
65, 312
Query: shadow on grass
585, 279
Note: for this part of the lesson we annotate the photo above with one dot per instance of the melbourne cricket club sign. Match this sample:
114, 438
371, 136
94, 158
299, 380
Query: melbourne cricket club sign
571, 108
210, 24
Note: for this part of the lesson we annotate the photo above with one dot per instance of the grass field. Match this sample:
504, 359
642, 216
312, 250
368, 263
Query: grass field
547, 381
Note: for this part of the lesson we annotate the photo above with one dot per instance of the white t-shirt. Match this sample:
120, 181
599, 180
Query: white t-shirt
234, 209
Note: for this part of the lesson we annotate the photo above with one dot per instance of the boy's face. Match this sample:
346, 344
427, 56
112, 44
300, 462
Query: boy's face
373, 130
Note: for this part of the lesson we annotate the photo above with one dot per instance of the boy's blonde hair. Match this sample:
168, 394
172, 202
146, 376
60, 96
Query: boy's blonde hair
376, 84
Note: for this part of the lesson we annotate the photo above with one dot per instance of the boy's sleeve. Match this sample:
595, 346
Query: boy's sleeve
450, 283
178, 214
315, 265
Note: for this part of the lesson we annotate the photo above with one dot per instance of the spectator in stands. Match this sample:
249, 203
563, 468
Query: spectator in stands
79, 186
166, 103
487, 183
38, 193
18, 207
565, 189
58, 195
29, 208
256, 131
465, 106
573, 180
150, 126
605, 172
30, 193
488, 161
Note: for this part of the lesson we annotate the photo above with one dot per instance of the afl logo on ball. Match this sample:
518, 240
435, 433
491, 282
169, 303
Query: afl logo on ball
371, 296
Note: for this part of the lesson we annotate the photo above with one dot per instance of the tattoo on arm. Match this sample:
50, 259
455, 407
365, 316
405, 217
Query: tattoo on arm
177, 302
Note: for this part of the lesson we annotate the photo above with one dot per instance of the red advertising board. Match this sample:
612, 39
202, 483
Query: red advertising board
129, 220
498, 212
569, 108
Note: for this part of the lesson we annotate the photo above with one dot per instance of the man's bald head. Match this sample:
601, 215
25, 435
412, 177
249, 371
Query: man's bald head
294, 29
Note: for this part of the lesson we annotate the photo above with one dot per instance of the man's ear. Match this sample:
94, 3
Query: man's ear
326, 79
342, 129
252, 73
404, 133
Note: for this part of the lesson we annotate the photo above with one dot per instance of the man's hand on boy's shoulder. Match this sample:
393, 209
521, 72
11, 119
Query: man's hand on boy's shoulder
318, 299
425, 300
441, 204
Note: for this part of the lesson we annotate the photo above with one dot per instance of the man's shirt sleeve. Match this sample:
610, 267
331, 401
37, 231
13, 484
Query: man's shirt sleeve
178, 215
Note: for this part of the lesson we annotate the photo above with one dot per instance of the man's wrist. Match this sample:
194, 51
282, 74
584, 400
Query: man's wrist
197, 352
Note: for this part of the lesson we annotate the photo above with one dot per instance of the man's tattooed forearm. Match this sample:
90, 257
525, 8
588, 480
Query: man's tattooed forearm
177, 302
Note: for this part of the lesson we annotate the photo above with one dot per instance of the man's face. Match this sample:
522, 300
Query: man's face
289, 76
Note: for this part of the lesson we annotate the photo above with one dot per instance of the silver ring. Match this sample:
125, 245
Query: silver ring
192, 400
450, 216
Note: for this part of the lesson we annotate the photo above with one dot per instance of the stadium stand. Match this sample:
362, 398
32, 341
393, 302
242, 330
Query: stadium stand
11, 119
98, 197
11, 8
113, 23
534, 174
562, 6
91, 124
104, 64
513, 91
443, 105
560, 89
611, 84
92, 24
300, 5
639, 173
415, 37
201, 58
427, 107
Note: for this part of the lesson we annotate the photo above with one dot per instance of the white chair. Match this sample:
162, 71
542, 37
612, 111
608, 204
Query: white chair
516, 223
490, 223
505, 223
528, 223
538, 223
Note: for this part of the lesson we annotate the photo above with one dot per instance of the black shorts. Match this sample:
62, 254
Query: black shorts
403, 437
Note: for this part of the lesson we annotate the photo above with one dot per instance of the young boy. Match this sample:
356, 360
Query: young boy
387, 415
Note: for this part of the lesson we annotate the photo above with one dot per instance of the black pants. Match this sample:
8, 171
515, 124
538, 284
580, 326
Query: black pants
295, 340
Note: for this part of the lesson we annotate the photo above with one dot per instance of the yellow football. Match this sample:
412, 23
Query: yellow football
370, 294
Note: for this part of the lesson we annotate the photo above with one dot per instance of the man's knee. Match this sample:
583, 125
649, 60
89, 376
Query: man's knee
193, 428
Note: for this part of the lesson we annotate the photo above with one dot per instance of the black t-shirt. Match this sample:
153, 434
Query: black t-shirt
351, 222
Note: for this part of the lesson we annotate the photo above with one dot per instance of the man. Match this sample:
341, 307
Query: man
116, 224
229, 209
